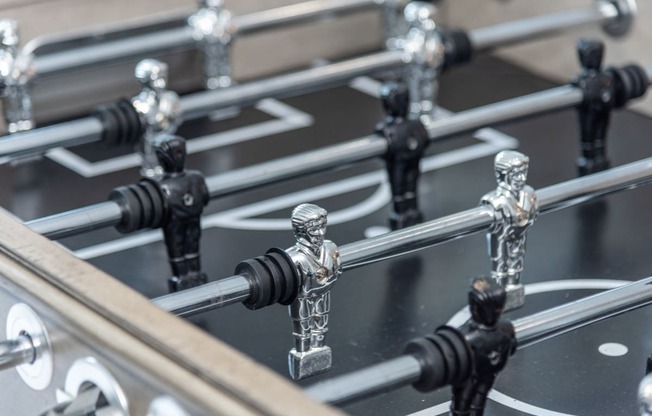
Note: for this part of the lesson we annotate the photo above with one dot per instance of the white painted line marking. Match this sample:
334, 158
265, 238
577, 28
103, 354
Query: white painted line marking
289, 119
613, 349
440, 409
529, 409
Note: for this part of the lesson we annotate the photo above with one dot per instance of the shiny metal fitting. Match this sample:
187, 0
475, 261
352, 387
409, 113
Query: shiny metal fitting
622, 24
308, 363
393, 26
645, 396
424, 50
16, 74
318, 262
159, 110
213, 30
515, 208
36, 364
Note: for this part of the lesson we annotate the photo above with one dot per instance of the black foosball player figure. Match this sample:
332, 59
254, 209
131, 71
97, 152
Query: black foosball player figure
407, 141
491, 340
185, 194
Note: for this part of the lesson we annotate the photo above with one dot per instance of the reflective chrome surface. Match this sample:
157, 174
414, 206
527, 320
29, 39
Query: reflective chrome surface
370, 381
207, 297
425, 52
565, 318
16, 73
515, 208
93, 217
318, 263
213, 30
491, 37
644, 396
159, 110
38, 368
17, 351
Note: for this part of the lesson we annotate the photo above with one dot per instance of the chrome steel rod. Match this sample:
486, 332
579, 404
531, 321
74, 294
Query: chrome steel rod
40, 140
447, 228
488, 38
115, 51
444, 229
580, 313
579, 190
295, 166
78, 221
380, 378
405, 370
16, 352
509, 110
298, 13
420, 236
203, 103
333, 156
181, 38
203, 298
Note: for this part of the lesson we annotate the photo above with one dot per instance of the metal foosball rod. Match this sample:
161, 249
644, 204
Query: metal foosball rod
239, 288
109, 213
416, 56
409, 369
183, 38
616, 16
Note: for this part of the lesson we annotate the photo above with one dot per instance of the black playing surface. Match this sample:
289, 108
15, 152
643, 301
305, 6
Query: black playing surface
378, 308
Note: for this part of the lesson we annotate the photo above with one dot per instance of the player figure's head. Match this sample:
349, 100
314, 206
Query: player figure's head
9, 34
171, 153
511, 170
486, 301
420, 14
396, 100
152, 73
309, 225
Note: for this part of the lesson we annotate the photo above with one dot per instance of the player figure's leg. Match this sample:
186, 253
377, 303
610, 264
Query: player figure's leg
322, 306
300, 312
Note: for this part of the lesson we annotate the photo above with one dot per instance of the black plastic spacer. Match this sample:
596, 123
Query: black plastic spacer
630, 82
458, 47
273, 278
120, 122
444, 357
142, 206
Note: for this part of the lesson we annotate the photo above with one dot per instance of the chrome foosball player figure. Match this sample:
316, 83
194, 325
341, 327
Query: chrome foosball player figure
186, 195
16, 73
214, 31
425, 51
159, 110
516, 207
319, 266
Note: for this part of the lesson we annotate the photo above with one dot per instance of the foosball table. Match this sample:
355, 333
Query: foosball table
166, 254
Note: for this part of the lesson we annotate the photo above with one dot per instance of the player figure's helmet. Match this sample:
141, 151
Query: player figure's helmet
171, 153
395, 99
486, 301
